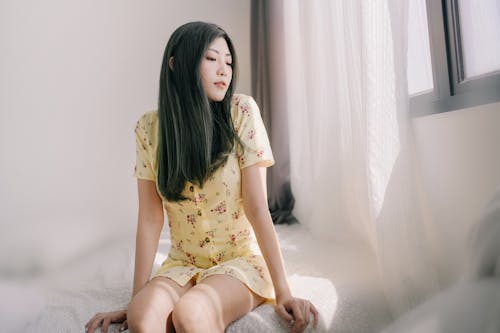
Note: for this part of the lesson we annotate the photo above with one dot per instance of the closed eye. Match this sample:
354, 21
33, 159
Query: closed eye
213, 59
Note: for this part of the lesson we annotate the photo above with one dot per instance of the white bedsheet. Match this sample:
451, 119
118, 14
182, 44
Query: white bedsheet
473, 303
339, 278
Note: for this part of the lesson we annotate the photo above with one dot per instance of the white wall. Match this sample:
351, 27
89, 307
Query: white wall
74, 78
460, 156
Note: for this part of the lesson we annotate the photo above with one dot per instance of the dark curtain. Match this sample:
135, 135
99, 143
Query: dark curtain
268, 80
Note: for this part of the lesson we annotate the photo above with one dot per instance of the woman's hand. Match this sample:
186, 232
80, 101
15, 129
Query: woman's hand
105, 319
297, 311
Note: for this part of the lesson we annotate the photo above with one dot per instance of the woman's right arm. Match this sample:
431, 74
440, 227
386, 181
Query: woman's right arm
149, 225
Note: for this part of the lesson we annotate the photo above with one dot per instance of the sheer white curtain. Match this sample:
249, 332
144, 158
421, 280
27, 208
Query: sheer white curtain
351, 156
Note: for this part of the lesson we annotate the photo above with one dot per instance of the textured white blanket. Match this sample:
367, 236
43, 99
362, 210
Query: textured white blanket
340, 279
473, 303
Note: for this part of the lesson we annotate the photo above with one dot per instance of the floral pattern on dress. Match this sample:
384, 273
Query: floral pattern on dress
220, 208
245, 109
199, 198
210, 233
203, 242
178, 245
228, 191
251, 134
143, 168
239, 236
236, 215
191, 258
219, 257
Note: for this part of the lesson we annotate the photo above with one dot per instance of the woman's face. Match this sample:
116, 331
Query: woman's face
216, 71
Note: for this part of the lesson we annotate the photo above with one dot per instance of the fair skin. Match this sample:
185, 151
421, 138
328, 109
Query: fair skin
216, 301
215, 70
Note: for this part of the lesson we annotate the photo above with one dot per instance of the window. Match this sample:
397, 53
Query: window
464, 48
419, 69
479, 23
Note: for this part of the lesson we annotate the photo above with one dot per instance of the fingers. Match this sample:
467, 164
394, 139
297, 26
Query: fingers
315, 315
93, 323
106, 319
305, 310
298, 314
90, 321
280, 309
105, 325
307, 313
124, 326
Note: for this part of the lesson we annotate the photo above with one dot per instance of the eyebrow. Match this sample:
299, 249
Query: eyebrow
227, 54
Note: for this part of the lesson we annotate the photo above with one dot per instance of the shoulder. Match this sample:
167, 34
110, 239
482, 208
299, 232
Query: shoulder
241, 100
147, 119
146, 129
243, 106
148, 122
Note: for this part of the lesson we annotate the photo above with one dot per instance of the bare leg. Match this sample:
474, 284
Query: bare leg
213, 304
151, 308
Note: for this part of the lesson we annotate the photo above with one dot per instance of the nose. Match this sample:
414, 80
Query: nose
222, 70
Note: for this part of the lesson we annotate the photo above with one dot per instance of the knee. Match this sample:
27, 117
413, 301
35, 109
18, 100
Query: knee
137, 318
190, 316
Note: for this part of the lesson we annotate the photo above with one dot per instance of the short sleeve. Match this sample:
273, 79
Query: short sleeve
252, 133
143, 166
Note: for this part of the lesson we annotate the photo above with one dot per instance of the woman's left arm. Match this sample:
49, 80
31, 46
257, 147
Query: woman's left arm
254, 193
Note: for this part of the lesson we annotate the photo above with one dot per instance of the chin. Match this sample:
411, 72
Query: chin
217, 98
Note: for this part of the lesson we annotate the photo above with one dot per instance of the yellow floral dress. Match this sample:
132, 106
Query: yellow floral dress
210, 233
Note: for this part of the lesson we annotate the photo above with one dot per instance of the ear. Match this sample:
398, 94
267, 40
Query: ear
171, 63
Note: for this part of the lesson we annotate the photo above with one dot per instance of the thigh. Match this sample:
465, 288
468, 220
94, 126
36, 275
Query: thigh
226, 297
163, 286
156, 300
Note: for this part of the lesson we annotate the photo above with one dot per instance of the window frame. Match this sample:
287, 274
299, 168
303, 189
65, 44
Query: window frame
452, 91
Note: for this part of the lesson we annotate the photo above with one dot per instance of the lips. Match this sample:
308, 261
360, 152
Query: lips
220, 84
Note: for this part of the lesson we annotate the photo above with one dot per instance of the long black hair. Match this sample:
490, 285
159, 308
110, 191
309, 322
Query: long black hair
195, 134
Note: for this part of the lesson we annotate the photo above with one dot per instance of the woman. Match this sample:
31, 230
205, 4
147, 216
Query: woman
203, 156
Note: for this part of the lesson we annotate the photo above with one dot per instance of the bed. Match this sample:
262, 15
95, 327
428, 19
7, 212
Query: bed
339, 276
472, 304
340, 279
